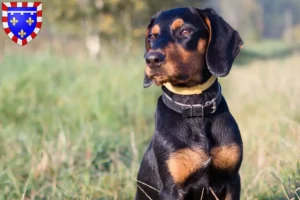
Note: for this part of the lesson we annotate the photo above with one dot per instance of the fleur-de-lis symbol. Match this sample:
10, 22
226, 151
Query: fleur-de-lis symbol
22, 33
29, 21
14, 21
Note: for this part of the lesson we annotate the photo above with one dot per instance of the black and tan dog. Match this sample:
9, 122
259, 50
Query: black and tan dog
196, 150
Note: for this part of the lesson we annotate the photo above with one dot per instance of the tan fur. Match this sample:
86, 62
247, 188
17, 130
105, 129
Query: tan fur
226, 157
155, 30
146, 40
148, 71
202, 44
207, 22
177, 23
185, 55
179, 61
170, 65
228, 196
184, 162
159, 80
193, 62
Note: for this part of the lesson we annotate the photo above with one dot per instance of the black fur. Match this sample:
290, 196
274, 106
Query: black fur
174, 132
224, 45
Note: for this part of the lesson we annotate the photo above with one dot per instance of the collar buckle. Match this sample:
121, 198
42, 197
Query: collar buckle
214, 107
193, 110
213, 102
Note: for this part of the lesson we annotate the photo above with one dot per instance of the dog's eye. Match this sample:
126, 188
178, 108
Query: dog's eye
152, 37
185, 32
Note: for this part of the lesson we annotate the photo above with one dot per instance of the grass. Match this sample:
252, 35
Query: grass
268, 46
264, 98
266, 50
73, 129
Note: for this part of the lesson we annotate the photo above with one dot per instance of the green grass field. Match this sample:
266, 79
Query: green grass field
73, 129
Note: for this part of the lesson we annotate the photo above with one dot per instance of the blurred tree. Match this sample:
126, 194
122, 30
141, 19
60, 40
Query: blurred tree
117, 21
111, 18
256, 19
245, 16
274, 16
296, 33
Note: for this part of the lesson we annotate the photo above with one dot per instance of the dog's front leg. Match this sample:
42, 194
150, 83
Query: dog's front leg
170, 189
227, 154
170, 194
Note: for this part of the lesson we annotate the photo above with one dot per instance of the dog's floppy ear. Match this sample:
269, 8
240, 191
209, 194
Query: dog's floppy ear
224, 43
148, 82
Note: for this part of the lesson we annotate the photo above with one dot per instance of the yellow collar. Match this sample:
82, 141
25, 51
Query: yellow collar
198, 89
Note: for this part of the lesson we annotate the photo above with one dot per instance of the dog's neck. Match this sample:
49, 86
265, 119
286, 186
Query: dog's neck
185, 90
202, 98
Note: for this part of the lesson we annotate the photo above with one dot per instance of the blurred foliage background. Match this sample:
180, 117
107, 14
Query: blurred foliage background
102, 26
75, 119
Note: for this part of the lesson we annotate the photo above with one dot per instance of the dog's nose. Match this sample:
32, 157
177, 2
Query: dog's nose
154, 59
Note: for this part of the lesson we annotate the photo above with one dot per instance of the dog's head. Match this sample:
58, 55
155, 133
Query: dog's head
182, 43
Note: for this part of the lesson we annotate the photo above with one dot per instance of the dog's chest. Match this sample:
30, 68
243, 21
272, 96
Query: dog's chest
197, 129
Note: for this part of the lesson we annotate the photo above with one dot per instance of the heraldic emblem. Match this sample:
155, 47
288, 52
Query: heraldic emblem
22, 21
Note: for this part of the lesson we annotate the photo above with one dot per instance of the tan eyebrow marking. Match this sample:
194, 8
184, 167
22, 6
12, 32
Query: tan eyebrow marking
177, 23
155, 29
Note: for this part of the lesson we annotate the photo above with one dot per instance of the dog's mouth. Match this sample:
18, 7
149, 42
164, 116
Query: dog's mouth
160, 79
182, 78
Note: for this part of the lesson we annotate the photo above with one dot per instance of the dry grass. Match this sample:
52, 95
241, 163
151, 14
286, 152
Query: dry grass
73, 130
265, 100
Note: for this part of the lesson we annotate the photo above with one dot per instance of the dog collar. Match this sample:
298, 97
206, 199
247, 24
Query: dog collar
193, 110
198, 89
